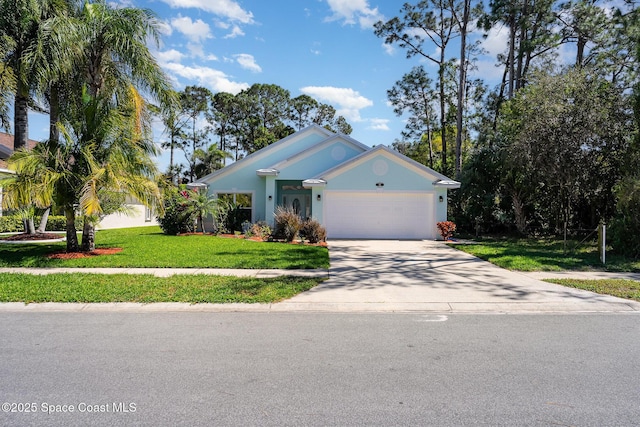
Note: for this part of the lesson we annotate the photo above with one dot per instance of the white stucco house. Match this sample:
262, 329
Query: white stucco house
353, 190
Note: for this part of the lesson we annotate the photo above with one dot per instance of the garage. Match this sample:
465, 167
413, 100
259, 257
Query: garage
379, 215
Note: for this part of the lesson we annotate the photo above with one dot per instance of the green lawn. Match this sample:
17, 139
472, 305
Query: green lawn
544, 255
144, 288
629, 289
148, 247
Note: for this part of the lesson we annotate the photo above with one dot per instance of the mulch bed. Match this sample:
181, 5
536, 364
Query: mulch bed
39, 236
75, 255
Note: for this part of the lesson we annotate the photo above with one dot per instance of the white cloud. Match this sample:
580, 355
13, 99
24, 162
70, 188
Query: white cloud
170, 55
197, 31
196, 50
496, 42
215, 80
228, 9
350, 11
389, 49
379, 124
248, 62
348, 101
487, 70
235, 32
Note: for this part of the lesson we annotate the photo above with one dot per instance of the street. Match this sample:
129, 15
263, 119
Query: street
111, 368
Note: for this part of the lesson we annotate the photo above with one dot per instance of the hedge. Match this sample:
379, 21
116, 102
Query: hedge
11, 224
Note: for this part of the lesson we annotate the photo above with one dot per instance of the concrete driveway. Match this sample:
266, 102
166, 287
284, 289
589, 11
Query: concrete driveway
388, 275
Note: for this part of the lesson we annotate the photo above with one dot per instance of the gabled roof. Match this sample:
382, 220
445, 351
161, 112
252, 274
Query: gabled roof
265, 151
312, 150
429, 173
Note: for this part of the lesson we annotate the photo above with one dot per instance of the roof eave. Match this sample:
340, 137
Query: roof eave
311, 183
449, 184
268, 172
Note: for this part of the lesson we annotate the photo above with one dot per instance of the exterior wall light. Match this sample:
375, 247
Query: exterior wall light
379, 184
441, 199
270, 198
319, 197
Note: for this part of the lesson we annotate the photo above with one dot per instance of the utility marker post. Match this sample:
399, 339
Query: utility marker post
602, 241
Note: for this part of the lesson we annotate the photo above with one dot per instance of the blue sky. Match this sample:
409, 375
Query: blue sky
324, 48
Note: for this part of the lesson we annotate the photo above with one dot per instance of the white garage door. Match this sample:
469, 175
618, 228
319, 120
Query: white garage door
385, 215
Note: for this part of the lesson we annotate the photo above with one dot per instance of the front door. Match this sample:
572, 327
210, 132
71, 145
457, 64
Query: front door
300, 203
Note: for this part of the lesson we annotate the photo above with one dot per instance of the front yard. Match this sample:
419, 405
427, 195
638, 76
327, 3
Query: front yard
145, 288
545, 255
147, 247
549, 255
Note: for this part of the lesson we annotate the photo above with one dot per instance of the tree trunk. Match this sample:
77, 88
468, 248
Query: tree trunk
21, 118
54, 113
29, 227
72, 236
518, 211
43, 221
201, 218
582, 42
461, 86
88, 236
443, 116
511, 58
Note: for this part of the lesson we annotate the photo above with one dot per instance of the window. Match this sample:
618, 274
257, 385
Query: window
243, 203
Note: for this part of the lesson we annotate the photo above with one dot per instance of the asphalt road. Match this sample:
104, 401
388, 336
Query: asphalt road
220, 369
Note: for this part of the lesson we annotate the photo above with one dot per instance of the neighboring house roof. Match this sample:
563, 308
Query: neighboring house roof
6, 145
5, 152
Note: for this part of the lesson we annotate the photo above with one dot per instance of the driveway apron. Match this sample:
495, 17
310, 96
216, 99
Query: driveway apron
392, 275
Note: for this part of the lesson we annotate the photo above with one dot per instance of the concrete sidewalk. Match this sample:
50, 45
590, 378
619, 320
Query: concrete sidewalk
167, 272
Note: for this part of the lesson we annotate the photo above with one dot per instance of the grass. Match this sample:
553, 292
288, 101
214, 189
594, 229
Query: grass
545, 255
149, 247
144, 288
629, 289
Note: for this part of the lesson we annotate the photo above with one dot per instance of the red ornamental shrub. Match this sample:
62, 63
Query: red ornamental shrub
446, 229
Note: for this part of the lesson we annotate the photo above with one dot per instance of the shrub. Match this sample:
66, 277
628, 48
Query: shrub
313, 231
179, 216
287, 224
260, 229
446, 229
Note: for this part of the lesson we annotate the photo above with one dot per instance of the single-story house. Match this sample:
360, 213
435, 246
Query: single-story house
353, 190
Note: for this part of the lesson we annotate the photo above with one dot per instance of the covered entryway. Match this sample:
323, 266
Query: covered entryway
379, 215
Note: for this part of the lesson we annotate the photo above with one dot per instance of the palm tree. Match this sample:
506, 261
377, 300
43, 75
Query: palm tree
102, 152
206, 162
21, 24
115, 59
203, 205
25, 191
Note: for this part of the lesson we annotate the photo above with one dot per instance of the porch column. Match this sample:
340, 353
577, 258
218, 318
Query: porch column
317, 203
269, 199
317, 187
